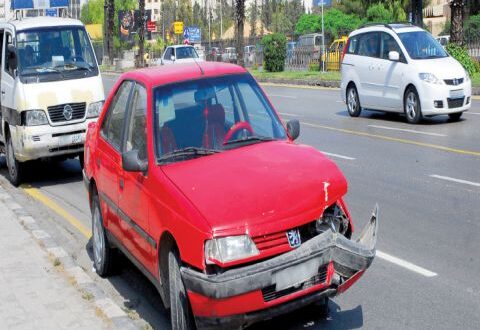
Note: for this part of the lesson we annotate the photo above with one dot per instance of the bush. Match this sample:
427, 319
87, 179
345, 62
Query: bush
461, 55
274, 52
313, 66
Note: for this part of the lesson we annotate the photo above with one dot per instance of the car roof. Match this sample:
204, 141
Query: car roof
395, 27
41, 21
168, 74
180, 46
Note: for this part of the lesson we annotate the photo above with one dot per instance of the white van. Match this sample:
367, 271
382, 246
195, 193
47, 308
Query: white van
402, 68
51, 89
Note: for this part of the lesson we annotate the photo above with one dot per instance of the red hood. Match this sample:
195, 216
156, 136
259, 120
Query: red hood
259, 188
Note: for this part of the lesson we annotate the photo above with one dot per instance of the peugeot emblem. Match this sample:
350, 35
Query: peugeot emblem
294, 238
67, 112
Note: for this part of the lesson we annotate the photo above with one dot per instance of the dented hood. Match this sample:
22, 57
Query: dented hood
245, 190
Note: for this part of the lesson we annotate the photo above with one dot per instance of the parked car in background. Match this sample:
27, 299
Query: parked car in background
192, 174
443, 40
51, 90
200, 51
311, 42
249, 54
229, 55
333, 54
291, 45
180, 54
214, 54
402, 68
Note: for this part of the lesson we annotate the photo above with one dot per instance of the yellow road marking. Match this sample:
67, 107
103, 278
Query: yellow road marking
388, 138
476, 97
35, 193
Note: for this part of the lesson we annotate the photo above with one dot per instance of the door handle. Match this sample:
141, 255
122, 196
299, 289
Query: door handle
3, 92
371, 67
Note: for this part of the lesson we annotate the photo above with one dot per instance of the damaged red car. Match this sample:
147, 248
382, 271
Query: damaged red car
192, 175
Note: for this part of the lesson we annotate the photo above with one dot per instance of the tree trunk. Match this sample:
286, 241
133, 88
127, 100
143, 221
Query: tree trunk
417, 13
141, 34
109, 14
239, 21
456, 32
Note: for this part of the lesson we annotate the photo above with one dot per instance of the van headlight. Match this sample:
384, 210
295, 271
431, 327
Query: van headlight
231, 248
35, 118
430, 78
94, 109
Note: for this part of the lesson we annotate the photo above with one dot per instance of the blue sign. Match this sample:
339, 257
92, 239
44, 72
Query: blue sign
318, 3
38, 4
51, 12
193, 34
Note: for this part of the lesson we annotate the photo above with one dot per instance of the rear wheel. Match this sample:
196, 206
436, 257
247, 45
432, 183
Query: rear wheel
455, 116
15, 168
181, 315
353, 102
102, 253
412, 107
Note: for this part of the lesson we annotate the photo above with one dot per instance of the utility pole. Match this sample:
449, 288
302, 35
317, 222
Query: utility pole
323, 41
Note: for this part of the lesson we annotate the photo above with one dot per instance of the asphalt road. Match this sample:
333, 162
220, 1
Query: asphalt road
426, 179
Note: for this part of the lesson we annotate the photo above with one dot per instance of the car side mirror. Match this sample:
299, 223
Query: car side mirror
172, 58
12, 58
293, 128
132, 163
394, 56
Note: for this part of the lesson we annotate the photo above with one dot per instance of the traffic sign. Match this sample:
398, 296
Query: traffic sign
178, 27
151, 26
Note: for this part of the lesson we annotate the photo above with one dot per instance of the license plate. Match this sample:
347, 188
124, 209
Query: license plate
297, 274
70, 139
456, 94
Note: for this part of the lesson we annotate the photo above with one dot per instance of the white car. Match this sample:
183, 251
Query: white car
180, 54
402, 68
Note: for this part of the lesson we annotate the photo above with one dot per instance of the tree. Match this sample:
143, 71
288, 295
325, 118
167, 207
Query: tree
337, 23
456, 35
308, 23
379, 14
472, 28
280, 23
141, 34
92, 12
239, 23
253, 10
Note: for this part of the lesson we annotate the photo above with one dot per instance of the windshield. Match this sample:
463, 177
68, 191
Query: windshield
421, 45
186, 52
200, 117
55, 53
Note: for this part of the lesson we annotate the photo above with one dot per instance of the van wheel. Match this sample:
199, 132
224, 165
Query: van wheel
353, 102
181, 315
455, 116
102, 253
15, 168
412, 107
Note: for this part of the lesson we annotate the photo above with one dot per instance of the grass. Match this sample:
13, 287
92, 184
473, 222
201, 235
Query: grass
297, 75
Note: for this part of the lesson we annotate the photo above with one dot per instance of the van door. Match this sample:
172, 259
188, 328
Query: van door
1, 62
8, 84
367, 62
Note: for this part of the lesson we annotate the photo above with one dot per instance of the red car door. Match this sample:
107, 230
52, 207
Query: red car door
134, 197
109, 159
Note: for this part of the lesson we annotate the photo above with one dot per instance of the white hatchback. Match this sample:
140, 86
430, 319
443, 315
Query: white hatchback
402, 68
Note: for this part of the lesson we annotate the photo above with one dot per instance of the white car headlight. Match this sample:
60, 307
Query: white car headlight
430, 78
229, 248
94, 109
35, 118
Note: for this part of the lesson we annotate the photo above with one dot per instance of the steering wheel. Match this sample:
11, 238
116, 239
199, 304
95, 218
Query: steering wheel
241, 125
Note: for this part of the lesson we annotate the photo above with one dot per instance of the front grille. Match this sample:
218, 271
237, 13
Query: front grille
269, 293
455, 103
55, 112
66, 148
454, 82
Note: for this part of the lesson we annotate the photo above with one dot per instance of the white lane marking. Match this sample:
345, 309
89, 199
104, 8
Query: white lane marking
337, 155
406, 130
339, 101
286, 96
288, 114
472, 113
405, 264
447, 178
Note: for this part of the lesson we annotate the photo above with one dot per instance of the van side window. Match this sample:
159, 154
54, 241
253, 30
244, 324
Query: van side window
388, 44
353, 45
369, 45
8, 41
112, 126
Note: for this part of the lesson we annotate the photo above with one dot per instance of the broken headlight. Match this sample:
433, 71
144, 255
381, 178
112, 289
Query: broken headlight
333, 218
231, 248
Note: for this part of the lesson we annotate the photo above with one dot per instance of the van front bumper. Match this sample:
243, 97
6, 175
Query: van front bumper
35, 142
322, 267
431, 95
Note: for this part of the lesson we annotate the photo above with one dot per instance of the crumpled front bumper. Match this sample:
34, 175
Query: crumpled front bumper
346, 260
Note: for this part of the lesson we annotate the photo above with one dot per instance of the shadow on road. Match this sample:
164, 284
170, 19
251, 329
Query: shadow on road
400, 117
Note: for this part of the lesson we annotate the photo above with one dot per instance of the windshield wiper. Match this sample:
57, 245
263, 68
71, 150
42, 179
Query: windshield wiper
187, 152
250, 139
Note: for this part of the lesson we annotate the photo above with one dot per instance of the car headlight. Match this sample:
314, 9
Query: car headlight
467, 76
94, 109
35, 118
430, 78
231, 248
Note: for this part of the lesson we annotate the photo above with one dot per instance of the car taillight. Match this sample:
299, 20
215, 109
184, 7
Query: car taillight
345, 50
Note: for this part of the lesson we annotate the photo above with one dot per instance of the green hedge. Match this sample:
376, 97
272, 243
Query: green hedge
461, 55
274, 52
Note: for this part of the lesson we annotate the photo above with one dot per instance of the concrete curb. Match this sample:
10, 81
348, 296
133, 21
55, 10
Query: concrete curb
79, 278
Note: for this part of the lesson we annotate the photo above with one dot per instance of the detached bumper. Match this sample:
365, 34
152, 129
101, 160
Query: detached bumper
283, 283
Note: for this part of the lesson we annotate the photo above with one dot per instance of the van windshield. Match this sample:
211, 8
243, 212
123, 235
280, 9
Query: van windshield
421, 45
55, 53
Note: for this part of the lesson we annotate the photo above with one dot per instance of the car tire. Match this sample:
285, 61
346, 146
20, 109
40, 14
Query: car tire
181, 315
102, 252
353, 102
455, 116
321, 307
15, 168
412, 106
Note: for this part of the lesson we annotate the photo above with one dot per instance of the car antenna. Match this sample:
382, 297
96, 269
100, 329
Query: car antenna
199, 66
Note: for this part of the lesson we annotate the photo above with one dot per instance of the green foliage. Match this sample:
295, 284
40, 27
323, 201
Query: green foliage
308, 23
446, 28
472, 28
280, 23
92, 12
274, 51
379, 14
338, 23
461, 55
312, 67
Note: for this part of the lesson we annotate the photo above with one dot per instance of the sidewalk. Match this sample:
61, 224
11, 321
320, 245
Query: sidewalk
34, 294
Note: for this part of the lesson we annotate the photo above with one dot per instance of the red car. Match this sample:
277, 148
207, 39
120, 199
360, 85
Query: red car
191, 173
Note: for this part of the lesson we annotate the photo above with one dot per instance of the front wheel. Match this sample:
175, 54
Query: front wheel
353, 102
412, 107
102, 253
15, 168
181, 315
